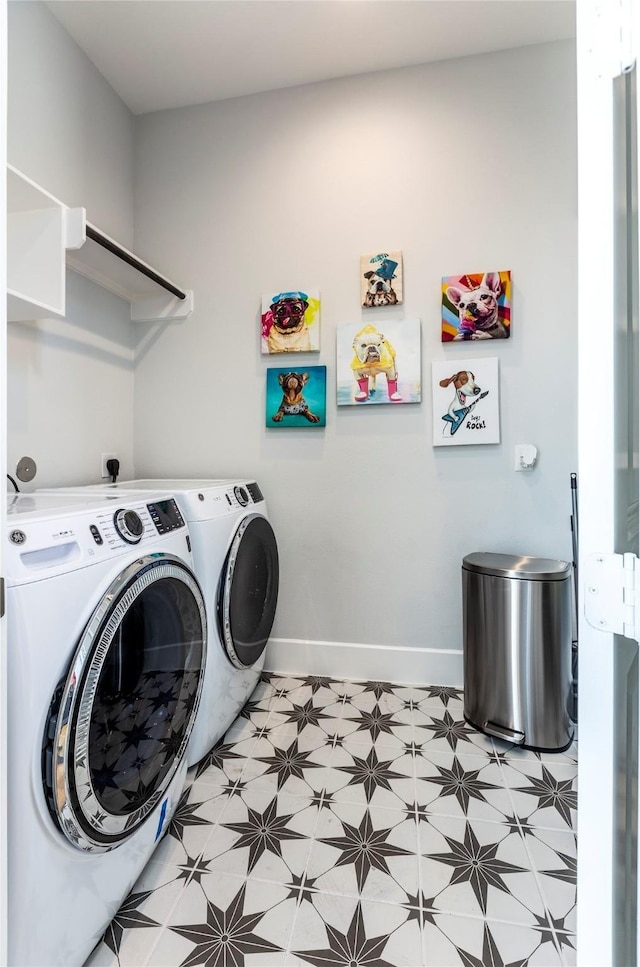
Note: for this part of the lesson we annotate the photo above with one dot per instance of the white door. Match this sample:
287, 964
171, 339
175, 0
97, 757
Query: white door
608, 436
3, 469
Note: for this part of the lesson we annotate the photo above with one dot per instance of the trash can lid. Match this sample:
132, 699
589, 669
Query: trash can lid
515, 566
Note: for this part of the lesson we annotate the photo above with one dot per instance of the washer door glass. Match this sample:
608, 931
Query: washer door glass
249, 591
120, 722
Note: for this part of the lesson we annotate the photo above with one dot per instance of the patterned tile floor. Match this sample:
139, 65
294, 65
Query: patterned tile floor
359, 824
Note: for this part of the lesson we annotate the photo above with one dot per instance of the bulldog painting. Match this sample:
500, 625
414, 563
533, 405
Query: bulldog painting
374, 355
378, 364
381, 279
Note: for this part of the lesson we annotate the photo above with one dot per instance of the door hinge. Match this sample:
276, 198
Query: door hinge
626, 52
607, 30
611, 593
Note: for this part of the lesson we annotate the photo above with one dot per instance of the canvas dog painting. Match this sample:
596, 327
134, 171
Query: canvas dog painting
296, 398
465, 402
381, 279
290, 322
374, 355
380, 291
476, 307
466, 394
293, 402
378, 365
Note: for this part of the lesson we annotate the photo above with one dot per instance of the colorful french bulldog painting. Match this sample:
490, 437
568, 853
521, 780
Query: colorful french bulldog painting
476, 306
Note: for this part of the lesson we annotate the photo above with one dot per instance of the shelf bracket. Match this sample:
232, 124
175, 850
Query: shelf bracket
161, 309
75, 227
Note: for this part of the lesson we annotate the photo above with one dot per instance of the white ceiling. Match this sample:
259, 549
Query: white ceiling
168, 53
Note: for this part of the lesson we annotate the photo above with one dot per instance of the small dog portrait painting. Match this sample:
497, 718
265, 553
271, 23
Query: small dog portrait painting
476, 306
297, 397
465, 402
378, 363
291, 322
381, 279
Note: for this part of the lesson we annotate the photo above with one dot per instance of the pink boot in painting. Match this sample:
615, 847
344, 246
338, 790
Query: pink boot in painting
363, 391
392, 389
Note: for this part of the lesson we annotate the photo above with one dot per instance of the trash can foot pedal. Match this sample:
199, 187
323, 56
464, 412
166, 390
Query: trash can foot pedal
501, 732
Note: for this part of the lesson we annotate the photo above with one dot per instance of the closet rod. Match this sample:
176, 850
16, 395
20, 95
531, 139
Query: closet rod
131, 260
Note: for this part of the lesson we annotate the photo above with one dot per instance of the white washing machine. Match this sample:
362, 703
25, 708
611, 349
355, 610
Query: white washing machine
235, 558
106, 638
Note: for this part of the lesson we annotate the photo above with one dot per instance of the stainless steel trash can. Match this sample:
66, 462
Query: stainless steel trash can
517, 649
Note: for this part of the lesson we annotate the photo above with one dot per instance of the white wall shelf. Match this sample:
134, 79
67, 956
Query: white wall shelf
43, 233
36, 240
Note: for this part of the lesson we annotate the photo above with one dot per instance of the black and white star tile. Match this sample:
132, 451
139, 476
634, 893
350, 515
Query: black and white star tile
359, 823
478, 868
363, 852
544, 792
338, 931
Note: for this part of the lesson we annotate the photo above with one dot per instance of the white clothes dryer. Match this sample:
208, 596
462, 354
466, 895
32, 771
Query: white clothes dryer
235, 558
106, 637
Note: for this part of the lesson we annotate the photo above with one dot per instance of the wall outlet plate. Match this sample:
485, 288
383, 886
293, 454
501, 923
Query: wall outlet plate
526, 456
105, 457
26, 469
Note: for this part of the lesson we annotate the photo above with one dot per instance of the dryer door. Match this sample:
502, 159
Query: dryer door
119, 723
249, 591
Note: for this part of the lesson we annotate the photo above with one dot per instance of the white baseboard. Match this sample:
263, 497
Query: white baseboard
384, 663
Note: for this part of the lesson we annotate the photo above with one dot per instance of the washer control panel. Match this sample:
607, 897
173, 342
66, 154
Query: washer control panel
166, 515
48, 535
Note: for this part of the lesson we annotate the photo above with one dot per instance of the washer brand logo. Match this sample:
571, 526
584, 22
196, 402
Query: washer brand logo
17, 537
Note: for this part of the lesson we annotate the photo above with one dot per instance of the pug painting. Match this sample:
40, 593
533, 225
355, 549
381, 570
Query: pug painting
290, 322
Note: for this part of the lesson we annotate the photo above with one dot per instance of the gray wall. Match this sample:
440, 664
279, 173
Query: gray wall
464, 165
67, 128
70, 382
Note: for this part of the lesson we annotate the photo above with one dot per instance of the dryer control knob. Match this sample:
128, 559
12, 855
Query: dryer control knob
241, 496
128, 525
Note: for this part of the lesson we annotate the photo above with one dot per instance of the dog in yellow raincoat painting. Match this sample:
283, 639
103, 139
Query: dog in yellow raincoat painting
372, 355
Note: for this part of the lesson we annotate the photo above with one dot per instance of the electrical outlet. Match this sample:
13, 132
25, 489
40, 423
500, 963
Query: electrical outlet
526, 456
105, 457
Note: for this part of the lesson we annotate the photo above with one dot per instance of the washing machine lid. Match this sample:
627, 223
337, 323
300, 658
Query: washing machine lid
186, 487
248, 591
121, 718
180, 483
202, 500
198, 499
172, 485
48, 505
